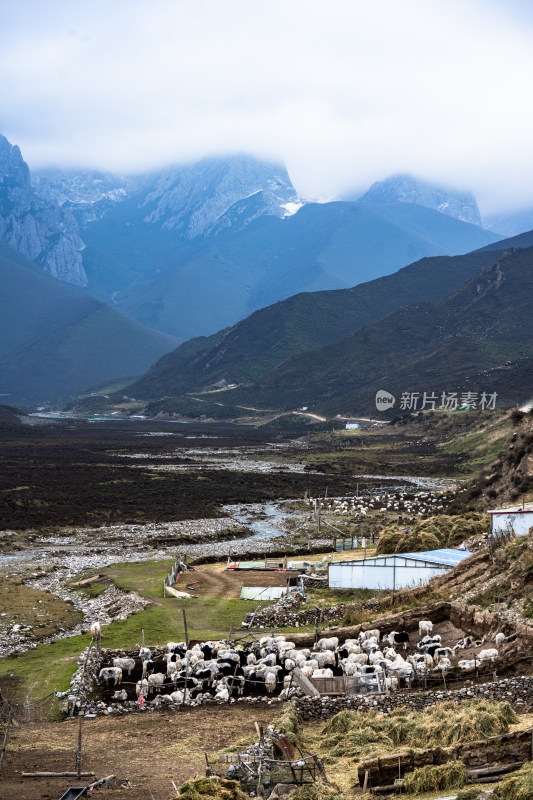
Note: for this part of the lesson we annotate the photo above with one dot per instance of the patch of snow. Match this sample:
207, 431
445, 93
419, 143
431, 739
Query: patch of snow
291, 208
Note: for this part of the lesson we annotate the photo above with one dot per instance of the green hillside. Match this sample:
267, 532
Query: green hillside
192, 287
300, 324
477, 338
55, 340
480, 338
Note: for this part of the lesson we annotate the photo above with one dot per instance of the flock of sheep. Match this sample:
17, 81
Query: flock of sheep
412, 506
216, 670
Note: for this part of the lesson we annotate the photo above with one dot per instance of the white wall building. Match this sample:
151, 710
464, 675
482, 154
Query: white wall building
513, 519
391, 572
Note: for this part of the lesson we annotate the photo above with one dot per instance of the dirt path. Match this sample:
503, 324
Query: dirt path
225, 584
147, 749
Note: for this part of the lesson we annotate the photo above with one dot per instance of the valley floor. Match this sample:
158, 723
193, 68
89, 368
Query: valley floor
122, 500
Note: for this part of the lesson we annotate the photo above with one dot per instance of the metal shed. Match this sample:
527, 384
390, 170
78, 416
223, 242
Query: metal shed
513, 519
397, 571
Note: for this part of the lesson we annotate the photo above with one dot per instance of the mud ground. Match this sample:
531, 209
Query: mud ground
148, 750
218, 582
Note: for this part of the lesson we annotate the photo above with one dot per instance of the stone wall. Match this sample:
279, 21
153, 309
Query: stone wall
516, 691
280, 617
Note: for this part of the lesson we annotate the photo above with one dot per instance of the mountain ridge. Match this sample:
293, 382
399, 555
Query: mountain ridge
302, 324
406, 188
194, 248
479, 334
56, 341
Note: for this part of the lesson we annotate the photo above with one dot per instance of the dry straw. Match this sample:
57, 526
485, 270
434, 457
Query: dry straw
362, 734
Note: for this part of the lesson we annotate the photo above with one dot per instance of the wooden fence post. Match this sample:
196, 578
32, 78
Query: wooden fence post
78, 751
6, 736
185, 628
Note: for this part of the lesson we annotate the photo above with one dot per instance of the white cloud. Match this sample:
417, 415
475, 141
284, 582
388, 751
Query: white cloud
344, 91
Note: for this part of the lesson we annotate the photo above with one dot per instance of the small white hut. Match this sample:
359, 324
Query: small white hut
515, 520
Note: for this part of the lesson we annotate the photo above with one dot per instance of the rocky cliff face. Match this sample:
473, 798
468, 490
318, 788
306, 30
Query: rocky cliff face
198, 199
407, 189
35, 226
216, 193
89, 193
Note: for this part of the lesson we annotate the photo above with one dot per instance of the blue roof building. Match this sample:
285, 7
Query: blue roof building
395, 571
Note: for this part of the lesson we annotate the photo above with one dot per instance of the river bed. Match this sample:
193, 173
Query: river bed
77, 550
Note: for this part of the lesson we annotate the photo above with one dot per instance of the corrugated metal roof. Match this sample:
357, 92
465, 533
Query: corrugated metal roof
448, 557
521, 509
445, 556
262, 592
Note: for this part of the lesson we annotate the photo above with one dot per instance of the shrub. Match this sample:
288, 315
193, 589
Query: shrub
444, 530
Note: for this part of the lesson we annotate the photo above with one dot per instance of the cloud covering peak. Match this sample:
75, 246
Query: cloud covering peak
344, 93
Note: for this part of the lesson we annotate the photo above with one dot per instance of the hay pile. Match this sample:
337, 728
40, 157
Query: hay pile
468, 794
316, 791
430, 534
452, 775
360, 734
518, 786
288, 723
211, 789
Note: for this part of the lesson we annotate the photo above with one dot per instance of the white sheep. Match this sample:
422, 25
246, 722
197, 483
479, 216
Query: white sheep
425, 626
327, 644
96, 633
324, 658
488, 655
172, 667
270, 682
351, 668
127, 665
499, 639
177, 697
222, 694
352, 647
322, 673
155, 681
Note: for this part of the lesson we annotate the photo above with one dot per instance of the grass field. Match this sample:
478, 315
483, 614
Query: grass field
48, 667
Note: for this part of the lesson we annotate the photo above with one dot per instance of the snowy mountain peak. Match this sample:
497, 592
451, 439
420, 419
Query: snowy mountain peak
403, 188
217, 193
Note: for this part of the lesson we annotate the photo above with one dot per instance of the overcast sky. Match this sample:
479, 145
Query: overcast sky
344, 92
